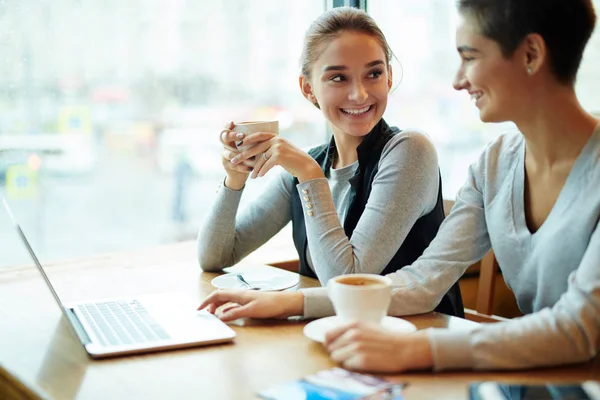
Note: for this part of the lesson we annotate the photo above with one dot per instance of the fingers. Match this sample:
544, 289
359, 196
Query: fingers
230, 138
257, 137
228, 306
333, 335
344, 355
235, 140
356, 350
240, 167
356, 362
251, 152
264, 167
218, 298
235, 312
260, 161
226, 134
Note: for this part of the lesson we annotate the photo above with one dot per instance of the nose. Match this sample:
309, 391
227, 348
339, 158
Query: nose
358, 92
460, 81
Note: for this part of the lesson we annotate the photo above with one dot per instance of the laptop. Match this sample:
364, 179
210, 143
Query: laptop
120, 326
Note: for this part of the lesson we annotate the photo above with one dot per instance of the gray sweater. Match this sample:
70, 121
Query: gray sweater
404, 189
554, 273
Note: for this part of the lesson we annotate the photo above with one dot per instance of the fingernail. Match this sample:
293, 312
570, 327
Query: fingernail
238, 144
234, 160
239, 136
250, 169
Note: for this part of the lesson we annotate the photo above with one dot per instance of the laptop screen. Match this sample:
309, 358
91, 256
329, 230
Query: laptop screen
13, 239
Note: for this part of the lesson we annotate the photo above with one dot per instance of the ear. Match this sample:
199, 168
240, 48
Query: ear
306, 89
535, 53
390, 78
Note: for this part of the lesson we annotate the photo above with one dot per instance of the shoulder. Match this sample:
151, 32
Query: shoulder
504, 150
409, 145
497, 163
594, 156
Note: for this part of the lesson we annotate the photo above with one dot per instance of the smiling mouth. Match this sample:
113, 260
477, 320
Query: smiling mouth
476, 96
357, 111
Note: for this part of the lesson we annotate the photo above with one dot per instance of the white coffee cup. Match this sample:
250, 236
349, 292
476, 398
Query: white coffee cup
360, 297
248, 127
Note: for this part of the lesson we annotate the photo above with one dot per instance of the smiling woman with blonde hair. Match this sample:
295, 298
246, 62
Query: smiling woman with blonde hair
369, 201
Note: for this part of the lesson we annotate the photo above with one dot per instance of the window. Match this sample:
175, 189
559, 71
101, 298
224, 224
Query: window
422, 35
110, 111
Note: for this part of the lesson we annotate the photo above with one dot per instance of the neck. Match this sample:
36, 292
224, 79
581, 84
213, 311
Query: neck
555, 127
346, 149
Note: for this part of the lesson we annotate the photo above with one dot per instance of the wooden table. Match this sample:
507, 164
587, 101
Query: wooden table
39, 357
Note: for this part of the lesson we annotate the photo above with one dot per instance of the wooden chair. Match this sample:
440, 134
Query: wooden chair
488, 271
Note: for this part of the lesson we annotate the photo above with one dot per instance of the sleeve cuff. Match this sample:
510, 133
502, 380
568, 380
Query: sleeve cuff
224, 189
315, 197
451, 349
317, 303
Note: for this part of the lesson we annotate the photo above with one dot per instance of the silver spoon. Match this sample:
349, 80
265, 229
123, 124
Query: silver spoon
249, 286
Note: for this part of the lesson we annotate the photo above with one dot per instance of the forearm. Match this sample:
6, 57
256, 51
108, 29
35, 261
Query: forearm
316, 303
333, 253
216, 236
228, 235
509, 345
567, 333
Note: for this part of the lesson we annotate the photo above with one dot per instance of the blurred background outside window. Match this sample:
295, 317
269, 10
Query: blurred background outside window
110, 110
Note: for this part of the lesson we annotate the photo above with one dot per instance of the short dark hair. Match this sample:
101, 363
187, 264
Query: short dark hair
565, 26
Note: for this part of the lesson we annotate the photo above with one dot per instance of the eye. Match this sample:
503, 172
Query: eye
337, 78
375, 73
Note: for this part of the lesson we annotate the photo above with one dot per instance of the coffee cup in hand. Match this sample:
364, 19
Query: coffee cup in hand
247, 128
360, 297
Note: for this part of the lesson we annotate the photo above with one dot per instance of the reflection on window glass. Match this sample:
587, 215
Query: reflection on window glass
422, 35
110, 111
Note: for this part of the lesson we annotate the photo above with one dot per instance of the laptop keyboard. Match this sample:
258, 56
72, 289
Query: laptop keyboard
122, 322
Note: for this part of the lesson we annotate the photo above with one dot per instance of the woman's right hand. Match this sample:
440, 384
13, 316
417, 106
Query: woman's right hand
237, 174
253, 304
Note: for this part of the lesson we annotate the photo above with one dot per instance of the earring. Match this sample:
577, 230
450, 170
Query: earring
316, 104
529, 71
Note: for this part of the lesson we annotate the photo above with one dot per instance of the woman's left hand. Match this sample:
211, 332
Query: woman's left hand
271, 150
369, 347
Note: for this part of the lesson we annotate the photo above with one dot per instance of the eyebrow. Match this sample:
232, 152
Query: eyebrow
465, 49
342, 67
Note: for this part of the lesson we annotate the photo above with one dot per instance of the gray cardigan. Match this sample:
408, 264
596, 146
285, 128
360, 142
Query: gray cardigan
554, 273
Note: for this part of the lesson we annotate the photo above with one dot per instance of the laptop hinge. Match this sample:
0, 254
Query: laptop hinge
77, 327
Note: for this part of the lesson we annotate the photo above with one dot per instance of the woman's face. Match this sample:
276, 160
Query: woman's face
497, 85
350, 81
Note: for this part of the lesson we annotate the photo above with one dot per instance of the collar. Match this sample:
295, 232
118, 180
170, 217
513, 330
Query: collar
373, 140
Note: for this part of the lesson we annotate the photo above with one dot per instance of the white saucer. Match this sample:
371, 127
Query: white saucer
264, 278
316, 329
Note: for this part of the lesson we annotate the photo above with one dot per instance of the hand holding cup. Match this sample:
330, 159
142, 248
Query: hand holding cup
232, 137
